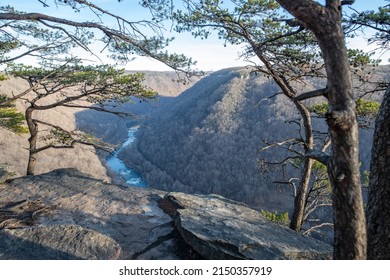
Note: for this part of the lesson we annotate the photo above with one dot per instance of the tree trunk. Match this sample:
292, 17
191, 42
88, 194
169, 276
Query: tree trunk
33, 130
297, 218
300, 199
298, 215
343, 166
378, 211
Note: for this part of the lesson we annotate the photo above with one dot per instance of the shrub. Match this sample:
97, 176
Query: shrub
275, 217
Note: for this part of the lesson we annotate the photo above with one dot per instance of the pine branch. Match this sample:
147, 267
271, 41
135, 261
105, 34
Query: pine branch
311, 94
318, 155
100, 109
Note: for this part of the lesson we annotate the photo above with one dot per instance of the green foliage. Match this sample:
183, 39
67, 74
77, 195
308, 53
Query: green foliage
59, 136
249, 22
318, 166
62, 136
365, 108
3, 78
319, 171
322, 184
275, 217
100, 84
365, 178
377, 20
8, 45
359, 58
320, 108
53, 38
91, 139
10, 118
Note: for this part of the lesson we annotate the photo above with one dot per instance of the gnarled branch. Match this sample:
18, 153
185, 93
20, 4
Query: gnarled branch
311, 94
318, 155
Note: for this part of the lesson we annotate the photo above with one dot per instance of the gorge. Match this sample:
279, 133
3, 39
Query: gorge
129, 175
200, 155
204, 137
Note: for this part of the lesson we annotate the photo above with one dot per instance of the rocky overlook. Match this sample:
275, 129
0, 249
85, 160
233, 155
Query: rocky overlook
65, 214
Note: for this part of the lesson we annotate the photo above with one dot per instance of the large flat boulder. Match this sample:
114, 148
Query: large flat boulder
66, 197
218, 228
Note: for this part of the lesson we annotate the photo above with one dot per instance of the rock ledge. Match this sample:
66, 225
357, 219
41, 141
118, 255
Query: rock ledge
219, 228
64, 214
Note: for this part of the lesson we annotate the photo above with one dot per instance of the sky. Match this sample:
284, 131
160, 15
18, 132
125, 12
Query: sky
210, 54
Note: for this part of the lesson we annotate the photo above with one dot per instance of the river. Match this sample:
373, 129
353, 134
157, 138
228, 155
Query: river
131, 176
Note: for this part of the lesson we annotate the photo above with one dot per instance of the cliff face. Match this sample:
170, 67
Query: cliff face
65, 214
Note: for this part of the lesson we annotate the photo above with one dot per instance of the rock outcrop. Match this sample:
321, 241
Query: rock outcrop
219, 228
66, 242
66, 197
65, 214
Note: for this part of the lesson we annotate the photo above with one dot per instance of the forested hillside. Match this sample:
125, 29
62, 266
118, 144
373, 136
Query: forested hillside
209, 140
112, 128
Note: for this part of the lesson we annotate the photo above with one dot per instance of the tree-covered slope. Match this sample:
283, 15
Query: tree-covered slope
112, 128
209, 140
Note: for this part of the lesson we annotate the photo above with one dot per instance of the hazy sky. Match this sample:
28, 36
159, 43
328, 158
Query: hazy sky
210, 54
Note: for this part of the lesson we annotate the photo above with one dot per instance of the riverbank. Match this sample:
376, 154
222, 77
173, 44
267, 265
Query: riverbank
123, 173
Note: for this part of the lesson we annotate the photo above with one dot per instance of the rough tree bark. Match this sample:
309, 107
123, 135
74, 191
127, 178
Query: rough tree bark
298, 215
300, 200
343, 166
378, 212
33, 129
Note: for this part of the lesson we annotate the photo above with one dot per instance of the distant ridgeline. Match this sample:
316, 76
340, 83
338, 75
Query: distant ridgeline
208, 140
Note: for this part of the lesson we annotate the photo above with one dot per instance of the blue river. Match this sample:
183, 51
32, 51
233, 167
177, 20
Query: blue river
131, 176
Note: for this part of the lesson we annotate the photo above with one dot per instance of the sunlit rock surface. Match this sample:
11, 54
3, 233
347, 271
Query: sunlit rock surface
219, 228
65, 214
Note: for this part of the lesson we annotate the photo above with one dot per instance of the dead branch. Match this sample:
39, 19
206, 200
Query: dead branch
296, 140
308, 231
